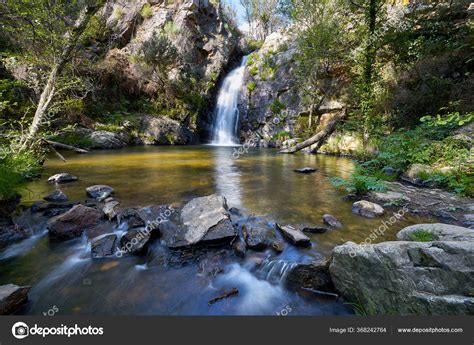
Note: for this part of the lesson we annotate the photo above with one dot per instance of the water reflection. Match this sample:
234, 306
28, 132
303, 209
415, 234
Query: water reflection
227, 176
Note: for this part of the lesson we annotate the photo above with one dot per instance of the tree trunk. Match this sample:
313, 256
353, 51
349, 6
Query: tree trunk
319, 137
49, 90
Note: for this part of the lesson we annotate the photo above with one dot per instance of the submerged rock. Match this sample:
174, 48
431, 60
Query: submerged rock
56, 196
99, 192
73, 223
12, 297
332, 221
367, 209
314, 229
103, 246
62, 178
427, 278
295, 236
305, 170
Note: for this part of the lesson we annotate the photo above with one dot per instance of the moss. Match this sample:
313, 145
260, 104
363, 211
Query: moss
146, 11
277, 106
423, 236
253, 71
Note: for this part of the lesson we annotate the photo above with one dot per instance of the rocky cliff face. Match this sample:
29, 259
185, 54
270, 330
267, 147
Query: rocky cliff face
204, 41
271, 107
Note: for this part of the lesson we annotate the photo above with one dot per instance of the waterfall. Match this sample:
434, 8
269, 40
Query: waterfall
225, 125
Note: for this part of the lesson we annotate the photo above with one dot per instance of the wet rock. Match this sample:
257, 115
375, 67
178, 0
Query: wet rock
421, 278
224, 295
62, 178
135, 241
132, 217
73, 223
206, 220
239, 248
12, 233
313, 276
314, 229
99, 192
468, 220
110, 208
56, 196
235, 211
295, 236
255, 237
103, 246
439, 232
12, 297
277, 245
305, 170
367, 209
332, 221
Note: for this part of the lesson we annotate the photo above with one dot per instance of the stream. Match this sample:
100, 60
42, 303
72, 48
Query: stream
261, 183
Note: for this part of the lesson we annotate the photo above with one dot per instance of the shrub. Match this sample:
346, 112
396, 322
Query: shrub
359, 184
422, 236
251, 86
146, 11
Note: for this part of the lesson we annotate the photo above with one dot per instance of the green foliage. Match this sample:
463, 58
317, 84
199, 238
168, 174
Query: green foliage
277, 106
253, 71
118, 13
254, 44
281, 135
15, 170
251, 86
146, 11
359, 184
422, 236
70, 137
97, 30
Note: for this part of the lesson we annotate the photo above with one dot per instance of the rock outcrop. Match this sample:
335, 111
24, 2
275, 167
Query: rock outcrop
405, 277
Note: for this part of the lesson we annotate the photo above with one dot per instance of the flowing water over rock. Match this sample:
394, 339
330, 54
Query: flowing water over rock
261, 183
227, 113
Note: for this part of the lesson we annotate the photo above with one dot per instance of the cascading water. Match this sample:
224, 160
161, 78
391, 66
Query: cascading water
227, 114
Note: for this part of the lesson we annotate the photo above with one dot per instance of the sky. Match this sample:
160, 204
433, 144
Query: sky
243, 25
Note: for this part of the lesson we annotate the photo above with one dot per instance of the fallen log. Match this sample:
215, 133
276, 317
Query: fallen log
64, 146
319, 137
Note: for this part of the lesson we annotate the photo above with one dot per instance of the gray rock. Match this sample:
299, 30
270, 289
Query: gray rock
62, 178
413, 173
103, 246
56, 196
132, 217
439, 231
106, 140
432, 278
367, 209
206, 219
305, 170
12, 297
73, 223
165, 131
295, 236
256, 238
314, 229
110, 208
388, 197
332, 221
135, 241
99, 191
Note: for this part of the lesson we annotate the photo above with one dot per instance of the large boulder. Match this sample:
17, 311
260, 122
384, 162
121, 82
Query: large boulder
74, 222
161, 130
203, 220
404, 277
12, 297
106, 140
